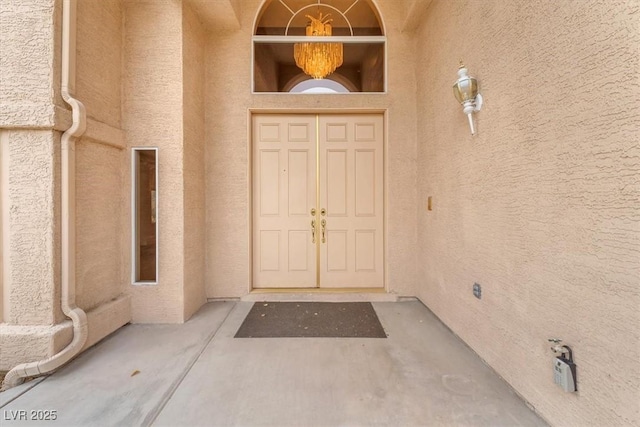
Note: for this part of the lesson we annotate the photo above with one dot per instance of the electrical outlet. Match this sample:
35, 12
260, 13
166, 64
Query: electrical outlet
477, 290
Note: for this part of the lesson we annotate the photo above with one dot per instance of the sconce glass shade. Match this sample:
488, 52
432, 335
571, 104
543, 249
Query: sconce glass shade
465, 89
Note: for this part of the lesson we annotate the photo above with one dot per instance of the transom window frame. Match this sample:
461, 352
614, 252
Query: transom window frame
287, 39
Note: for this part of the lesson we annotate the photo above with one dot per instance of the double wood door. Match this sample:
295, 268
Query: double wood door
317, 201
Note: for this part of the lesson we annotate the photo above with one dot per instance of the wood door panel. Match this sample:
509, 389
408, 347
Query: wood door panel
269, 250
299, 186
351, 164
294, 156
269, 182
335, 184
365, 174
337, 253
365, 132
299, 256
284, 191
336, 131
365, 249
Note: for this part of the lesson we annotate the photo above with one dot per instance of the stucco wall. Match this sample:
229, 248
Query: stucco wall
152, 102
99, 60
100, 217
99, 224
194, 185
28, 65
31, 270
541, 207
33, 116
29, 174
228, 101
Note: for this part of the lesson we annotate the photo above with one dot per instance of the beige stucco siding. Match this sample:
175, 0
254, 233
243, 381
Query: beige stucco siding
29, 175
194, 184
34, 115
99, 63
100, 218
31, 277
164, 104
541, 207
152, 99
100, 224
228, 103
30, 68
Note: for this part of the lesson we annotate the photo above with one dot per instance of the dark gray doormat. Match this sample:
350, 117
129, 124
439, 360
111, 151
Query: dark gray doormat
311, 319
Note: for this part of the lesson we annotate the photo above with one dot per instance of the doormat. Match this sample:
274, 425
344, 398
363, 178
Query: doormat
311, 319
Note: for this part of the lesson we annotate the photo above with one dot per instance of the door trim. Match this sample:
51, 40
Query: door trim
384, 112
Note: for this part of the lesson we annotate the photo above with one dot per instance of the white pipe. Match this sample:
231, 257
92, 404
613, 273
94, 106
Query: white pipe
68, 301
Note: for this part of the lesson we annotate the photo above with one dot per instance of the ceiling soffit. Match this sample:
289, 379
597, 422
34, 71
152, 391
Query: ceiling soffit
217, 15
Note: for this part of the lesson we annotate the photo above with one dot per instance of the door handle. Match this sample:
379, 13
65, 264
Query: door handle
313, 231
324, 227
323, 211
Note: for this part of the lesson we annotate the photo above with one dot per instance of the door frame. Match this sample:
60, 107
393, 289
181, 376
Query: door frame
385, 167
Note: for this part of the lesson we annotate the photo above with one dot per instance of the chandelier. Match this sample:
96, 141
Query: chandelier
318, 60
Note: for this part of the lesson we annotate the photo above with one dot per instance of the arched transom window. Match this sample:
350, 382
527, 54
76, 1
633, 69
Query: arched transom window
337, 40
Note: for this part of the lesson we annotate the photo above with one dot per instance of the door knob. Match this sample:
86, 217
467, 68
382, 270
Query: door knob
313, 211
323, 211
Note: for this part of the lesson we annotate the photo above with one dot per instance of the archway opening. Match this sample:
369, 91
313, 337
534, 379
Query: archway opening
319, 86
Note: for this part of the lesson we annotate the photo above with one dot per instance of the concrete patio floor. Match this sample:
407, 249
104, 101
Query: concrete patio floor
197, 374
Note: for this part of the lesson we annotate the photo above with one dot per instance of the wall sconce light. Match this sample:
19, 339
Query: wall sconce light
466, 91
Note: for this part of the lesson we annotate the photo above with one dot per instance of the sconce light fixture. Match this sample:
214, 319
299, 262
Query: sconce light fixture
465, 90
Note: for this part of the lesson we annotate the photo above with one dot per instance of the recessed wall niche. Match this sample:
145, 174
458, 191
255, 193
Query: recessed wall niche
356, 30
144, 215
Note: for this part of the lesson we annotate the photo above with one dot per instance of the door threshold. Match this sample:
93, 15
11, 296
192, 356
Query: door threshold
319, 290
321, 294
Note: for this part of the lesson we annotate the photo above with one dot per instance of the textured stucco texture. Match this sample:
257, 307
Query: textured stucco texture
193, 46
541, 208
33, 116
29, 64
163, 101
100, 212
29, 179
31, 272
228, 104
152, 100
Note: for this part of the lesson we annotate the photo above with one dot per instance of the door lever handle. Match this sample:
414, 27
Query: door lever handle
324, 229
313, 231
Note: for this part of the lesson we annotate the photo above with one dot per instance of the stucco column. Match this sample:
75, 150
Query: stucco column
31, 226
164, 108
152, 94
31, 117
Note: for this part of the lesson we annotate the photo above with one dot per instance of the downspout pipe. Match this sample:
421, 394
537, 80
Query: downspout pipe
68, 268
